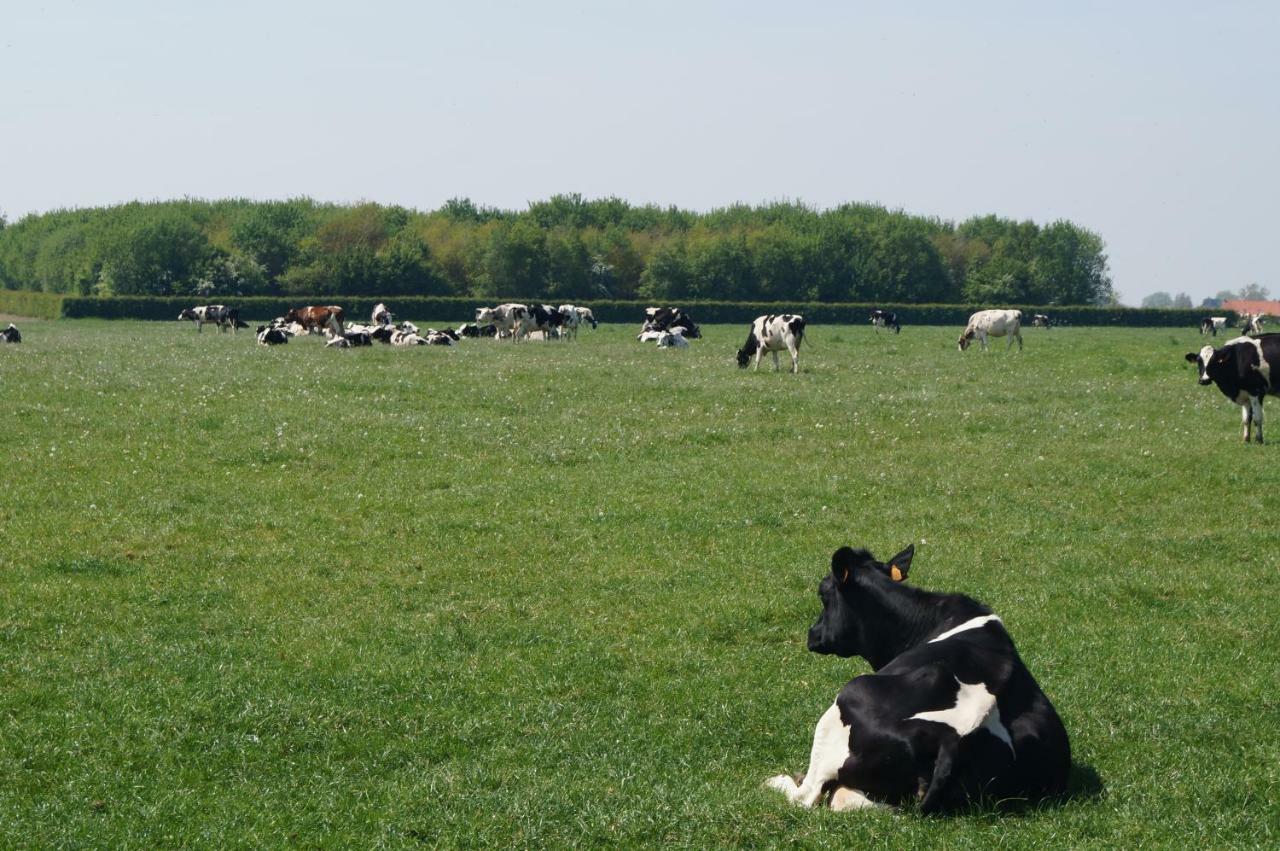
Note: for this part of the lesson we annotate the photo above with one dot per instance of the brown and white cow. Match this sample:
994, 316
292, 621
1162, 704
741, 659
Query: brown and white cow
330, 316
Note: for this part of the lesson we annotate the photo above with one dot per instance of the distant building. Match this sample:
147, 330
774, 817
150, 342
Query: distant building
1240, 307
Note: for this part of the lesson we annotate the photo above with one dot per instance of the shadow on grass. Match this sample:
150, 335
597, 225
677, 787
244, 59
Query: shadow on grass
1083, 785
89, 566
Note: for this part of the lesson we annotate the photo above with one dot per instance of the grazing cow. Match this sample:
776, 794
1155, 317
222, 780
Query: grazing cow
315, 318
993, 323
575, 317
885, 319
505, 317
1040, 320
950, 713
773, 334
268, 336
663, 318
1252, 323
11, 334
380, 315
1242, 371
214, 314
1213, 324
471, 329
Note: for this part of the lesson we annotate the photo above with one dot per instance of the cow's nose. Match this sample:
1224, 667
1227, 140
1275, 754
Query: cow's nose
1204, 379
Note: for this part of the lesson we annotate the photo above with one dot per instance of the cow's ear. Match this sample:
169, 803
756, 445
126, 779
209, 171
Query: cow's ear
900, 564
1192, 357
844, 561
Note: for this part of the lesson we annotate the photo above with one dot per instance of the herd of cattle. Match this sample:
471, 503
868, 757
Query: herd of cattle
1241, 368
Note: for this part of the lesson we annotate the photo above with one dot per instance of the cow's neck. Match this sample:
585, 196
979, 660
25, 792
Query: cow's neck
899, 617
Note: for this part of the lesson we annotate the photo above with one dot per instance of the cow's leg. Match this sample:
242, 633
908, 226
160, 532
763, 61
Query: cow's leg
1246, 419
199, 327
775, 360
759, 354
794, 351
1018, 333
830, 751
846, 798
1257, 416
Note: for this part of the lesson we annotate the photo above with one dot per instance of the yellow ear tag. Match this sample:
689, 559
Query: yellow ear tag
895, 574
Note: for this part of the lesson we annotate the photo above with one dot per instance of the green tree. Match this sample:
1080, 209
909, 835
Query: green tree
1158, 299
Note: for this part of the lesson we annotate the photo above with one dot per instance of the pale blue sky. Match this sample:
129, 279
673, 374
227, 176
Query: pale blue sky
1154, 124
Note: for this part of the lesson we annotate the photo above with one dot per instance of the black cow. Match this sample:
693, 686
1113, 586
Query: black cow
950, 714
666, 318
885, 319
1243, 370
11, 334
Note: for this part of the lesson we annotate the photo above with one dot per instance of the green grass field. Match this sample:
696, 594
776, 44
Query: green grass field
557, 594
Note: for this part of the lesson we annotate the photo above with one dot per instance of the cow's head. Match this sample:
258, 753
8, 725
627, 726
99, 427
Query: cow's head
187, 314
294, 315
485, 315
1209, 361
965, 339
840, 629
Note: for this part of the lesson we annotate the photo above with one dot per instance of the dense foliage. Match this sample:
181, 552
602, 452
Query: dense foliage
562, 248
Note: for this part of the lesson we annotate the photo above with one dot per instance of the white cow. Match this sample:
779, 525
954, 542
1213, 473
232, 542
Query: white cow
504, 317
993, 323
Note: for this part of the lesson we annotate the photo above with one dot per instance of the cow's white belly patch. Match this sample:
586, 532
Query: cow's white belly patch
975, 707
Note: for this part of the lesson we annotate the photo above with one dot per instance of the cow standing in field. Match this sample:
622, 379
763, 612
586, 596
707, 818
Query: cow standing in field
885, 319
1243, 370
574, 317
11, 334
214, 314
773, 334
540, 317
380, 315
950, 713
505, 317
317, 318
1252, 323
993, 323
1213, 324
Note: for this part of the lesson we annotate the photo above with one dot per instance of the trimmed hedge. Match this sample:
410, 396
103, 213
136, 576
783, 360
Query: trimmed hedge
704, 312
30, 303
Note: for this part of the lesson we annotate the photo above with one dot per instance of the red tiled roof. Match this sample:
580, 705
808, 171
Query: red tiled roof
1241, 306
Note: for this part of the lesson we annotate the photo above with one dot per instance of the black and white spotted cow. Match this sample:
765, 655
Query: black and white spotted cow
1040, 320
471, 329
1213, 324
885, 319
574, 318
269, 336
214, 314
950, 713
773, 334
540, 317
11, 334
1242, 369
666, 318
505, 317
993, 323
1252, 323
380, 315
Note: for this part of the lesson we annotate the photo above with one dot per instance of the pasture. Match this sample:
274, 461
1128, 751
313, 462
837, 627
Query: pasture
557, 594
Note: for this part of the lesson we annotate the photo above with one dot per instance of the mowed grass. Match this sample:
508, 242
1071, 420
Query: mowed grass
557, 594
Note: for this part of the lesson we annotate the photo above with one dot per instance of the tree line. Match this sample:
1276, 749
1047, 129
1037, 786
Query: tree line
563, 248
1249, 292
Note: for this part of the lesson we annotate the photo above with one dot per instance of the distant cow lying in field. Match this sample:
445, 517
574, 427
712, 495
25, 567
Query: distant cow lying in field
885, 319
1040, 320
471, 329
214, 314
1213, 324
269, 336
1243, 370
11, 334
993, 323
317, 317
950, 715
666, 318
773, 334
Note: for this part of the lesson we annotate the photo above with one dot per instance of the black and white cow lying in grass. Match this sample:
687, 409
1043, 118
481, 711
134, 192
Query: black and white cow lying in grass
993, 323
773, 334
1243, 370
950, 713
1041, 320
272, 336
471, 329
11, 334
666, 319
214, 314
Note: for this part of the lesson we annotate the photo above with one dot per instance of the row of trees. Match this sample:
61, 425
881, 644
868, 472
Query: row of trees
562, 248
1251, 292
